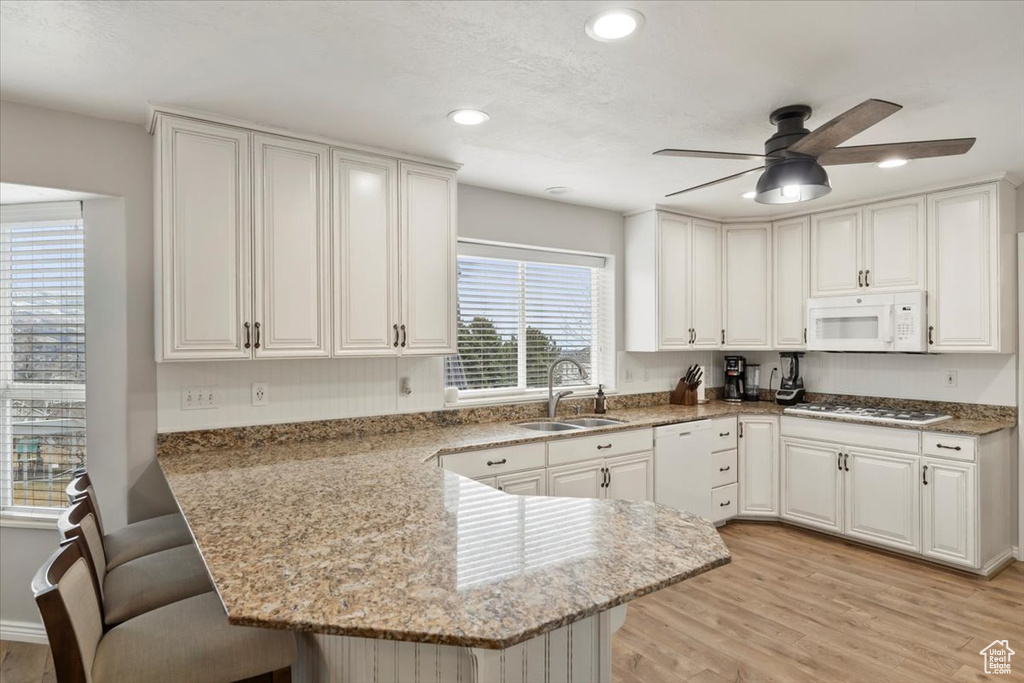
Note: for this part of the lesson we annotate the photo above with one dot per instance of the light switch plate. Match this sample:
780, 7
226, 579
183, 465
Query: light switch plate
199, 398
260, 396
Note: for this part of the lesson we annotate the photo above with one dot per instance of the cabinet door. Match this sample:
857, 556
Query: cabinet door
759, 467
427, 248
529, 483
705, 285
291, 260
894, 246
631, 477
365, 228
882, 498
747, 286
949, 511
812, 484
205, 241
835, 253
582, 480
791, 264
962, 270
487, 481
674, 258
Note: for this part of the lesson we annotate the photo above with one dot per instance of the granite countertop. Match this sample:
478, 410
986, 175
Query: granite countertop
383, 543
379, 544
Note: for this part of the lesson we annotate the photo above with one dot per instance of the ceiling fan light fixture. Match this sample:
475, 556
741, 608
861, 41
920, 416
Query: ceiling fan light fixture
613, 25
749, 195
790, 181
891, 163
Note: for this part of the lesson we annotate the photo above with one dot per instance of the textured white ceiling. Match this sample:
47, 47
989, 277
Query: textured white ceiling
565, 110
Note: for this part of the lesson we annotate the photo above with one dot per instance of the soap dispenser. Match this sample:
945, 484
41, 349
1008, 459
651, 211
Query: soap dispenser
600, 401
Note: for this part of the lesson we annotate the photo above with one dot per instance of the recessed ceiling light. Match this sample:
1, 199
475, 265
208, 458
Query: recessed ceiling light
558, 189
468, 117
614, 24
891, 163
749, 195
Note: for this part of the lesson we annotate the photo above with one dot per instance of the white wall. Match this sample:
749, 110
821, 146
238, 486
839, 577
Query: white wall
325, 389
981, 378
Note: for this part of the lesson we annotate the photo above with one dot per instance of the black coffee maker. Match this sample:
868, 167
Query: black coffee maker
791, 389
734, 369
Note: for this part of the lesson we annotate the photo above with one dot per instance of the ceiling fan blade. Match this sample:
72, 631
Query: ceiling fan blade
872, 154
704, 154
720, 180
843, 127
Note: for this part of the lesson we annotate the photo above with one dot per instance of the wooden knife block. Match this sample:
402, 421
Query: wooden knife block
683, 395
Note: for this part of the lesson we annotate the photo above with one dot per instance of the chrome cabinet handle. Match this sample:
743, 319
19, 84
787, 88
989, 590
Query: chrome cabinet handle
948, 448
931, 328
404, 334
497, 462
860, 278
867, 282
396, 334
725, 469
257, 344
247, 344
924, 475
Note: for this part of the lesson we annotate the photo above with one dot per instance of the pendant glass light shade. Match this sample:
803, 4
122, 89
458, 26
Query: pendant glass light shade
789, 181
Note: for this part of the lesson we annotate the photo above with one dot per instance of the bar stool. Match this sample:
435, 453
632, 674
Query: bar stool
138, 538
189, 641
140, 585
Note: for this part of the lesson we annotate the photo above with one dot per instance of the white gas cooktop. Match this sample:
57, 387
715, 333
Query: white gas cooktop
914, 417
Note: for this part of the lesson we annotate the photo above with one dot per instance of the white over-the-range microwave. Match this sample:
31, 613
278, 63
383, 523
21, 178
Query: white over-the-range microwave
868, 322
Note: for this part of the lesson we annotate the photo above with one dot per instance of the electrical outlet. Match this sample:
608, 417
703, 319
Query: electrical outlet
199, 398
259, 394
950, 378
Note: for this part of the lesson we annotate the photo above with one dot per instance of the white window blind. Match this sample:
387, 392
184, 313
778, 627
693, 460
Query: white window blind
518, 310
42, 354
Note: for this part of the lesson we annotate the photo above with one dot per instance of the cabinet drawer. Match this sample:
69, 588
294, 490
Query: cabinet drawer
724, 502
948, 446
599, 446
723, 434
492, 461
723, 468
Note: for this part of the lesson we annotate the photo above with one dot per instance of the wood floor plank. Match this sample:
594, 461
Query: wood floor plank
23, 663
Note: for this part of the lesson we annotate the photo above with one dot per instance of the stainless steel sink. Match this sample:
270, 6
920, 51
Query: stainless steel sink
549, 426
591, 422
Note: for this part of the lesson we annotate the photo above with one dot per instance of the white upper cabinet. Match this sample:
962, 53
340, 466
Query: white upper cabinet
893, 246
971, 293
791, 264
428, 236
706, 265
365, 227
747, 286
835, 253
204, 241
291, 271
672, 282
271, 246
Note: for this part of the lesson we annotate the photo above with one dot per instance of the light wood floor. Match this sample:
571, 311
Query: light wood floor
792, 606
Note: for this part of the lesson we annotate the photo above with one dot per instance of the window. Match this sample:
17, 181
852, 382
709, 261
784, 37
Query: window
42, 354
520, 309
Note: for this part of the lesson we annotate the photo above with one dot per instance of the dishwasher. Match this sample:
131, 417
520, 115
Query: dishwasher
682, 466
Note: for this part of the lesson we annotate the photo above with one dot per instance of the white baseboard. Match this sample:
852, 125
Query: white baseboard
23, 632
1017, 553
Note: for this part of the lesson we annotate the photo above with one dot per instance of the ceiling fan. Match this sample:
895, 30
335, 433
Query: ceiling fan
793, 157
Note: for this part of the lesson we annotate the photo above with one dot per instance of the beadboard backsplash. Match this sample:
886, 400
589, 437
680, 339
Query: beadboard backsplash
322, 389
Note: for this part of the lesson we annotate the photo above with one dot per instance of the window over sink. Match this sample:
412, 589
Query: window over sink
520, 308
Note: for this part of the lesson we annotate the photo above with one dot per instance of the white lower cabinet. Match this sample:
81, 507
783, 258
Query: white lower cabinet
950, 510
812, 484
882, 501
758, 463
530, 483
628, 477
581, 480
